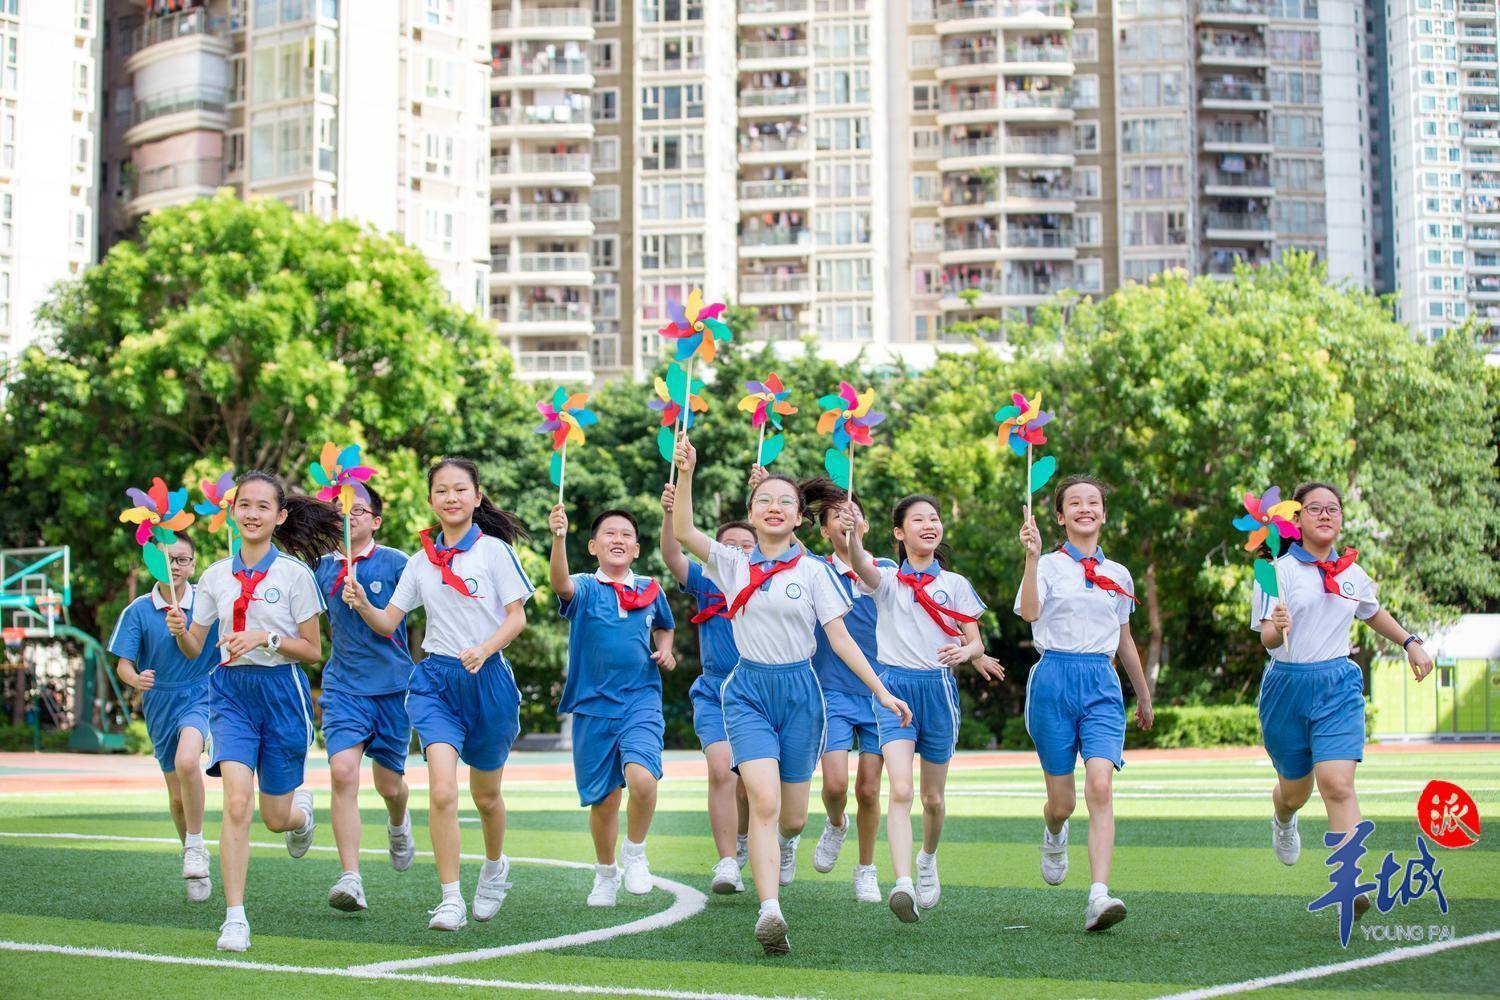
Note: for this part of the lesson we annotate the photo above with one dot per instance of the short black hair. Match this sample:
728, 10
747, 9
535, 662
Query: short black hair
377, 505
727, 525
615, 512
186, 539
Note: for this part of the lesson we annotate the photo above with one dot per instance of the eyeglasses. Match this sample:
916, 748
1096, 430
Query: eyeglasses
361, 512
1318, 510
182, 560
785, 503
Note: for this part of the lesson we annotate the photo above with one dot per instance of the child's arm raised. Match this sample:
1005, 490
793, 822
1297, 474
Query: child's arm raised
671, 548
694, 540
859, 560
557, 567
1031, 541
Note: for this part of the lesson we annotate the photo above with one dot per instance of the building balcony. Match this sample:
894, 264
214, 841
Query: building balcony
1244, 184
541, 121
1037, 243
778, 330
542, 269
1229, 54
1476, 135
765, 12
1037, 105
542, 170
1030, 198
184, 109
793, 54
771, 196
1233, 12
1485, 263
536, 319
774, 102
1234, 96
1237, 226
969, 154
1476, 57
1484, 237
1475, 109
1476, 9
974, 246
1037, 60
1485, 289
174, 184
1479, 83
564, 74
985, 15
566, 366
768, 149
1236, 138
186, 32
775, 242
962, 63
569, 219
544, 23
775, 289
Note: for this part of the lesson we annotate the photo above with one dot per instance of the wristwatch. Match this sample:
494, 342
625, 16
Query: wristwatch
1411, 639
273, 641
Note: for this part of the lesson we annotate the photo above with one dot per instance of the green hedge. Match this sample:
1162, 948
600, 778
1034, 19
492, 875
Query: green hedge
1178, 726
22, 738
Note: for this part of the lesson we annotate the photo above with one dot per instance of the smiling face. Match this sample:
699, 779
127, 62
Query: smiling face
1320, 519
1082, 513
181, 558
615, 545
363, 523
257, 511
829, 528
454, 497
738, 538
920, 531
774, 510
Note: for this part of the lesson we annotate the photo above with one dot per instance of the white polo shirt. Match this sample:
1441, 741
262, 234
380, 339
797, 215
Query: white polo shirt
905, 634
1320, 621
777, 625
1078, 617
456, 622
284, 598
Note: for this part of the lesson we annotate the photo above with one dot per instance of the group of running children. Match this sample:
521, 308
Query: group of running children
806, 658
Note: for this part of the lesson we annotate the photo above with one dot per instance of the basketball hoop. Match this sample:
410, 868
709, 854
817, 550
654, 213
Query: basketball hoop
15, 638
50, 604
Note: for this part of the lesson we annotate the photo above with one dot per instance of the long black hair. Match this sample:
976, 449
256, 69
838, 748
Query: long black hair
312, 528
898, 518
491, 519
824, 497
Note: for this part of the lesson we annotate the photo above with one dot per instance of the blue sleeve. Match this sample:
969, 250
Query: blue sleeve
662, 610
125, 643
696, 580
581, 591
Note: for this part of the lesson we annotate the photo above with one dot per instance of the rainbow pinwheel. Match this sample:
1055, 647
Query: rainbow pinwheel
696, 327
340, 474
848, 416
1263, 514
218, 500
767, 403
1021, 424
158, 515
675, 401
564, 416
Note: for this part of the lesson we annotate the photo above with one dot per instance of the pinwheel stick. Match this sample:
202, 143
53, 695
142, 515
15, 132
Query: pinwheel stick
760, 443
171, 587
348, 548
1028, 480
851, 472
679, 427
562, 471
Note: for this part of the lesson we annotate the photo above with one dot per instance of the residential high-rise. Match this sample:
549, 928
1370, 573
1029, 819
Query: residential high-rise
49, 110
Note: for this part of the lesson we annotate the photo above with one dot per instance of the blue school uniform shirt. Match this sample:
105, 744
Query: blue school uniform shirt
716, 648
833, 673
141, 637
363, 661
610, 669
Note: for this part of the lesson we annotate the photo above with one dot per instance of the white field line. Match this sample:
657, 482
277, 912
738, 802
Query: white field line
406, 977
1322, 971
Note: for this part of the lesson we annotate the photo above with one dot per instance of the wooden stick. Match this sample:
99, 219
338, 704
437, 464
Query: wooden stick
1028, 479
562, 473
760, 443
171, 587
348, 549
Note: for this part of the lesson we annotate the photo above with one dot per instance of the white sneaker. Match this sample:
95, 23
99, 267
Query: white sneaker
1286, 841
234, 935
726, 879
606, 885
637, 874
1103, 912
903, 903
298, 841
789, 860
448, 915
195, 862
1055, 856
199, 889
490, 893
403, 846
866, 884
348, 893
742, 850
826, 854
929, 890
771, 932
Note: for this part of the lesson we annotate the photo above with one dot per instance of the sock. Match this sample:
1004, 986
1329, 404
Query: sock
1097, 890
741, 840
843, 824
864, 868
193, 840
1284, 826
632, 848
904, 882
783, 840
924, 858
450, 890
354, 874
770, 906
1053, 838
405, 824
307, 821
608, 871
492, 869
233, 913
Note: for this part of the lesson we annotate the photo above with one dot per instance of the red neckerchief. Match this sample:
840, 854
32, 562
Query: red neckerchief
918, 583
248, 579
338, 581
1331, 570
443, 560
712, 607
1092, 575
634, 600
759, 576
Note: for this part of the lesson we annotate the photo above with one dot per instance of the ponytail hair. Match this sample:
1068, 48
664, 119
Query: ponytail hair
824, 496
312, 528
898, 520
490, 519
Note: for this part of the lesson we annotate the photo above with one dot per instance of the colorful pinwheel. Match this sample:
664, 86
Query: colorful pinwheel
218, 500
158, 515
848, 416
696, 327
767, 404
1021, 424
339, 472
1262, 514
675, 401
564, 416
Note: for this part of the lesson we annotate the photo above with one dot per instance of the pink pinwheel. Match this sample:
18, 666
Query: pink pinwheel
1265, 512
696, 327
218, 499
564, 417
767, 401
158, 514
341, 476
848, 416
1021, 422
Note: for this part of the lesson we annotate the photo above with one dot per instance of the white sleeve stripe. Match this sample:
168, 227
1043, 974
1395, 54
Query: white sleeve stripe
516, 562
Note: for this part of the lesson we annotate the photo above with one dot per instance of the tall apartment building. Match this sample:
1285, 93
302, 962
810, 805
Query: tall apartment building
1444, 96
49, 101
375, 113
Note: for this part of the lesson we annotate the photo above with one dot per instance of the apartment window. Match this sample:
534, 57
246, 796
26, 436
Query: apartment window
1085, 45
845, 274
924, 52
843, 179
1088, 229
236, 84
234, 152
843, 133
926, 281
1088, 275
606, 153
926, 189
1304, 131
604, 203
281, 143
1298, 174
671, 251
841, 86
437, 230
1153, 181
7, 137
1086, 91
841, 226
671, 150
7, 220
925, 326
604, 300
1086, 182
658, 11
10, 54
846, 321
603, 56
1292, 10
1086, 137
1292, 46
1155, 227
81, 159
672, 103
606, 104
1152, 135
1142, 270
1159, 42
1296, 87
841, 40
926, 235
328, 66
1152, 89
10, 8
606, 11
667, 200
604, 350
439, 79
925, 143
924, 97
4, 300
78, 229
1297, 217
672, 52
920, 12
438, 155
604, 252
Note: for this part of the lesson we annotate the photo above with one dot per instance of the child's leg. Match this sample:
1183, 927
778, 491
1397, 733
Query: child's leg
343, 769
835, 765
742, 807
898, 764
1098, 793
234, 832
867, 795
604, 827
934, 808
726, 809
279, 814
642, 806
174, 803
1336, 785
1288, 795
392, 788
484, 788
792, 817
1062, 798
442, 809
189, 775
763, 787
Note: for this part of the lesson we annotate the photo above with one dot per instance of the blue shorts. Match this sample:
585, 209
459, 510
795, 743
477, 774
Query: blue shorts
708, 709
378, 721
603, 746
1075, 707
848, 716
1312, 712
479, 715
171, 709
775, 711
261, 717
932, 696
